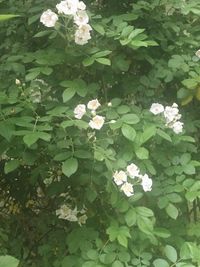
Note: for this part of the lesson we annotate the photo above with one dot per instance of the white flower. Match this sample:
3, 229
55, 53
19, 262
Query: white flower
93, 104
156, 108
198, 53
67, 7
146, 183
81, 5
82, 34
177, 127
17, 82
67, 214
93, 112
82, 219
171, 113
133, 170
79, 111
97, 122
120, 177
81, 18
127, 188
49, 18
109, 104
81, 38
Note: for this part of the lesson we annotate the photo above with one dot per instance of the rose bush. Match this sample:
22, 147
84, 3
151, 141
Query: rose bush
99, 165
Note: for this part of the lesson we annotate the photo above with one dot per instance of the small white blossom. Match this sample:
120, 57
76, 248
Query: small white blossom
82, 34
198, 53
146, 183
109, 104
93, 112
171, 113
67, 7
177, 127
120, 177
17, 82
93, 104
81, 5
49, 18
82, 219
65, 213
79, 111
156, 108
132, 170
127, 188
97, 122
81, 18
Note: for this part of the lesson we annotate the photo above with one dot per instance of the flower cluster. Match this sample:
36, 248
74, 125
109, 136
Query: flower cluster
97, 121
75, 9
133, 172
66, 213
171, 115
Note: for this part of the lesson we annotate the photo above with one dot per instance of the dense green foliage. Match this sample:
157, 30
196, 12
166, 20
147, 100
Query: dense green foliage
140, 52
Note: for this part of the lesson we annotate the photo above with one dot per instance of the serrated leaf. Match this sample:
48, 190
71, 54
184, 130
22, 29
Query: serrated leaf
69, 167
170, 253
128, 132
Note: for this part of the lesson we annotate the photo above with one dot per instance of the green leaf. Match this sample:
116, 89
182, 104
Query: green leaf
160, 263
11, 165
172, 211
122, 240
130, 118
189, 169
103, 61
92, 254
162, 232
69, 167
131, 217
117, 264
8, 16
142, 153
145, 225
147, 134
8, 261
88, 61
68, 94
102, 54
190, 83
31, 138
128, 132
164, 135
170, 253
143, 211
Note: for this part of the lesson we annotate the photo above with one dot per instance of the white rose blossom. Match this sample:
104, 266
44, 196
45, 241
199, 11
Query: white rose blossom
79, 111
156, 108
81, 18
68, 7
146, 183
198, 53
120, 177
127, 188
81, 5
97, 122
177, 127
49, 18
132, 170
171, 113
93, 104
82, 34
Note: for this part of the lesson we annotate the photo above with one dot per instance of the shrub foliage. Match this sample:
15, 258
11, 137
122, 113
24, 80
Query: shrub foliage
60, 205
